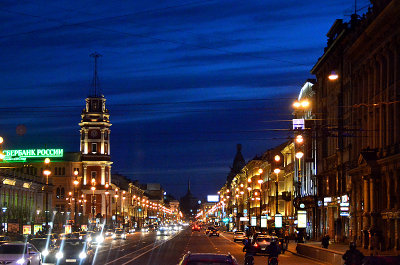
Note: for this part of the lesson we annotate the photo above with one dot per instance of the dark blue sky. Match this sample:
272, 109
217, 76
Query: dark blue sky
185, 81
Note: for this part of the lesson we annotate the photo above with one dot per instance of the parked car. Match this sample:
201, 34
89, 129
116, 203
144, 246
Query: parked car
205, 259
19, 253
74, 251
239, 236
213, 232
119, 234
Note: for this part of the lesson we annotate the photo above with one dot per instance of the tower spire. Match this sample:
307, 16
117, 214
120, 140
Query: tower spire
95, 82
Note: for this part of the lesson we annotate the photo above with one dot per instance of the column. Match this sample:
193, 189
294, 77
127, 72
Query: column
372, 204
102, 143
103, 204
86, 147
353, 213
84, 175
103, 175
366, 213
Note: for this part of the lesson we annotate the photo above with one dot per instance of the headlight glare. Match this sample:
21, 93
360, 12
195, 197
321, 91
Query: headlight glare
45, 252
59, 255
99, 239
82, 255
21, 261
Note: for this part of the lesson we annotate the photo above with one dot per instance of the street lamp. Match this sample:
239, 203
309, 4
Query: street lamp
47, 173
333, 76
76, 183
93, 188
116, 206
106, 193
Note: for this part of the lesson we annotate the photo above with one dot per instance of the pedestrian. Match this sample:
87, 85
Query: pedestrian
353, 256
287, 236
325, 241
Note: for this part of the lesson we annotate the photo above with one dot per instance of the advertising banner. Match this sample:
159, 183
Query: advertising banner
264, 221
68, 229
26, 229
37, 228
301, 219
253, 221
278, 221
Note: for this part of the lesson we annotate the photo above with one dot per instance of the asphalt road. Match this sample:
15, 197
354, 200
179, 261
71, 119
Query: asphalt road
150, 249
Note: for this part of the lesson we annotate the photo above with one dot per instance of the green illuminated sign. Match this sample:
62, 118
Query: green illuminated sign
22, 155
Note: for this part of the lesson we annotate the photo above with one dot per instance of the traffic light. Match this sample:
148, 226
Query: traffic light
299, 145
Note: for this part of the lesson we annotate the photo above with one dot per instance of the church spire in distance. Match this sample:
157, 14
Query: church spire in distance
95, 83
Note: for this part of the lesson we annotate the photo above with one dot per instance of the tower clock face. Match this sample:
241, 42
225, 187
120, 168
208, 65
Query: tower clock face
94, 133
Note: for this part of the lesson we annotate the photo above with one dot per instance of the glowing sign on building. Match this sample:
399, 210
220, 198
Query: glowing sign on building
23, 154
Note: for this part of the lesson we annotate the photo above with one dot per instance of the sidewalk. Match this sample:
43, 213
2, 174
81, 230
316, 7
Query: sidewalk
342, 247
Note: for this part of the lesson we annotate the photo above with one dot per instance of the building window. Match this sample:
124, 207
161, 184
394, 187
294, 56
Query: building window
94, 148
58, 194
62, 193
106, 148
63, 171
94, 175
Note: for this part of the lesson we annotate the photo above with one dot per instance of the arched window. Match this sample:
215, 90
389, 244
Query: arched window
63, 171
58, 194
62, 193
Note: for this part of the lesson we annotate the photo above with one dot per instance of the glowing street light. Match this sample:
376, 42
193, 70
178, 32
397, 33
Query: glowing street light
299, 155
333, 76
299, 139
277, 171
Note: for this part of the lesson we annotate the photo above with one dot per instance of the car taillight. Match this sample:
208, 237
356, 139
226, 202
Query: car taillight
256, 245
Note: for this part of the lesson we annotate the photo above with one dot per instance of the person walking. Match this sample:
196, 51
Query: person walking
353, 256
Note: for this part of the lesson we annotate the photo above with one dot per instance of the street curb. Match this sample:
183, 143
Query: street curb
299, 255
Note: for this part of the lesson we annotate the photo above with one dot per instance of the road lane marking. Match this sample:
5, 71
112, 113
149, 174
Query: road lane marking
148, 250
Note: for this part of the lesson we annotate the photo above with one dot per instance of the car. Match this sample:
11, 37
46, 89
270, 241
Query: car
239, 236
97, 238
109, 232
213, 232
19, 253
195, 228
163, 231
144, 230
119, 234
262, 242
4, 239
45, 247
85, 236
74, 251
207, 258
208, 229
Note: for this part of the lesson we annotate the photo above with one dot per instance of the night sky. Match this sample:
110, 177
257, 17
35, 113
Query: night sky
185, 81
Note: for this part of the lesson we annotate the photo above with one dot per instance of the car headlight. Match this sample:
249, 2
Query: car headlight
21, 261
82, 255
158, 232
113, 236
88, 239
80, 237
100, 239
45, 253
59, 255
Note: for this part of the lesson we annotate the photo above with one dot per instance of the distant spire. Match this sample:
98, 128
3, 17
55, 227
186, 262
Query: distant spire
95, 82
189, 185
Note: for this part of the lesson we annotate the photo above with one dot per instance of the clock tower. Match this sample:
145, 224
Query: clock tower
95, 151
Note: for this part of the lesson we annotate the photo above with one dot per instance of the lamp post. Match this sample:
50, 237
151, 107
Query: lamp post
106, 193
116, 206
76, 183
123, 210
93, 188
47, 173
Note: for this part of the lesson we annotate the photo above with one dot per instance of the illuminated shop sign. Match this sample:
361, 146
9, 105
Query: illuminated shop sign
23, 154
301, 219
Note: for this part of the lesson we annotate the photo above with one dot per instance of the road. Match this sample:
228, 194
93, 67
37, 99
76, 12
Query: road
150, 249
